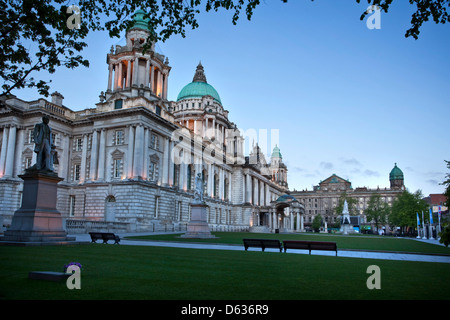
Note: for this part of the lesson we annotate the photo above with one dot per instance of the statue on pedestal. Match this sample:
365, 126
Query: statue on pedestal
44, 148
198, 192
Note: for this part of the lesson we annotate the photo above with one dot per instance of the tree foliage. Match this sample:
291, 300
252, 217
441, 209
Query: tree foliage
34, 35
445, 233
377, 210
405, 208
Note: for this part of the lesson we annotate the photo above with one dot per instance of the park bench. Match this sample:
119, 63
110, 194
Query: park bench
105, 236
262, 243
309, 245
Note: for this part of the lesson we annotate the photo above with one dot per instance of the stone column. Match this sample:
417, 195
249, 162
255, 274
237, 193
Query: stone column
170, 167
10, 152
210, 179
138, 151
147, 133
3, 151
101, 156
116, 75
94, 156
135, 71
83, 159
248, 195
110, 69
298, 221
152, 77
147, 68
64, 157
255, 192
120, 78
129, 158
165, 163
128, 73
166, 76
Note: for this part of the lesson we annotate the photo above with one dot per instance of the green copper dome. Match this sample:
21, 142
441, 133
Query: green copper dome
198, 87
276, 152
198, 90
139, 21
396, 173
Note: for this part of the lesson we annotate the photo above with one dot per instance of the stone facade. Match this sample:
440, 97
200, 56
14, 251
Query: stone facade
129, 163
324, 198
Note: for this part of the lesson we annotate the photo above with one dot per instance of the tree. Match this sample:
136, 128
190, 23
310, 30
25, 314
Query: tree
34, 34
405, 208
377, 210
445, 233
317, 223
351, 204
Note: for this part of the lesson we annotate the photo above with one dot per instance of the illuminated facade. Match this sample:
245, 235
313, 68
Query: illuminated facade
129, 163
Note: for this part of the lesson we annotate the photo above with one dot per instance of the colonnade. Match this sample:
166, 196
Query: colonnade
8, 150
130, 71
275, 219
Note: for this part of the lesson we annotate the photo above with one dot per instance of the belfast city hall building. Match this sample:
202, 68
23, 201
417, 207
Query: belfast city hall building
129, 164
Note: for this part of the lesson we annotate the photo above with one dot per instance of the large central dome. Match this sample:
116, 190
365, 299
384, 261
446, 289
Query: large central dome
198, 87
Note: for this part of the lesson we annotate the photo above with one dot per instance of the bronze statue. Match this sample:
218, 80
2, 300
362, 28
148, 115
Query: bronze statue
44, 148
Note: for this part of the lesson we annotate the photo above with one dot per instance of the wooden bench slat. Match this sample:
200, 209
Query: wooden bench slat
309, 245
105, 236
263, 243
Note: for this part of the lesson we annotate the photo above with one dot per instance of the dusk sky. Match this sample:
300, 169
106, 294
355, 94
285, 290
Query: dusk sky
346, 99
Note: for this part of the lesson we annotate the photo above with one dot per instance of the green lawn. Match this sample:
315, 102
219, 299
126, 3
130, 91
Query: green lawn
141, 272
357, 242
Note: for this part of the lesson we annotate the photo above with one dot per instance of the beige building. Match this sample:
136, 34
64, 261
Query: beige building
324, 198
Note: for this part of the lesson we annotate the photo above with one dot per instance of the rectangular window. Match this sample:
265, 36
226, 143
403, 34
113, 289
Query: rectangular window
117, 168
30, 136
118, 104
152, 171
118, 137
76, 172
78, 144
28, 162
72, 206
158, 110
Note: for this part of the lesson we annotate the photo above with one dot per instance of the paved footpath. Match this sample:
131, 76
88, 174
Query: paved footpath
341, 253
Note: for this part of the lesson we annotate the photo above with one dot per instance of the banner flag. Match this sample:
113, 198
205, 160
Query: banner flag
431, 216
418, 221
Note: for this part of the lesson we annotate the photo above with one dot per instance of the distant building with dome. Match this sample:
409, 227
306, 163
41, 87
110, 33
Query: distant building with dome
130, 162
324, 199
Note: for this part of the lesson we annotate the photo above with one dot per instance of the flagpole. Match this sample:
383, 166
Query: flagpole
423, 227
418, 224
431, 221
439, 219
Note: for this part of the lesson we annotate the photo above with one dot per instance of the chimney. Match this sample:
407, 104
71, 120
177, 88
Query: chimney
57, 98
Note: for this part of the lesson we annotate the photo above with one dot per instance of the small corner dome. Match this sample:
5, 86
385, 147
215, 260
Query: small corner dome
139, 21
276, 152
396, 173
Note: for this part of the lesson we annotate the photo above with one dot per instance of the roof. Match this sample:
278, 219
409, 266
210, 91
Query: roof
276, 152
139, 21
396, 173
198, 88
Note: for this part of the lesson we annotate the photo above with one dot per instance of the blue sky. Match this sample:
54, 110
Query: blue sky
346, 99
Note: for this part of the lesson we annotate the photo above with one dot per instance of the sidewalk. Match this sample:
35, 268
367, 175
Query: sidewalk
341, 253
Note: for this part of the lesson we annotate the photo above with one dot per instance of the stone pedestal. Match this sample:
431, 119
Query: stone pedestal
37, 220
198, 226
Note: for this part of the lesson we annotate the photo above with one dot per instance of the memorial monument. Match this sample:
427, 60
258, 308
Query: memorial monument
198, 225
38, 220
346, 225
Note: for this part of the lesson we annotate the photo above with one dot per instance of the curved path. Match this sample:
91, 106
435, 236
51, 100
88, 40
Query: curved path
341, 253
